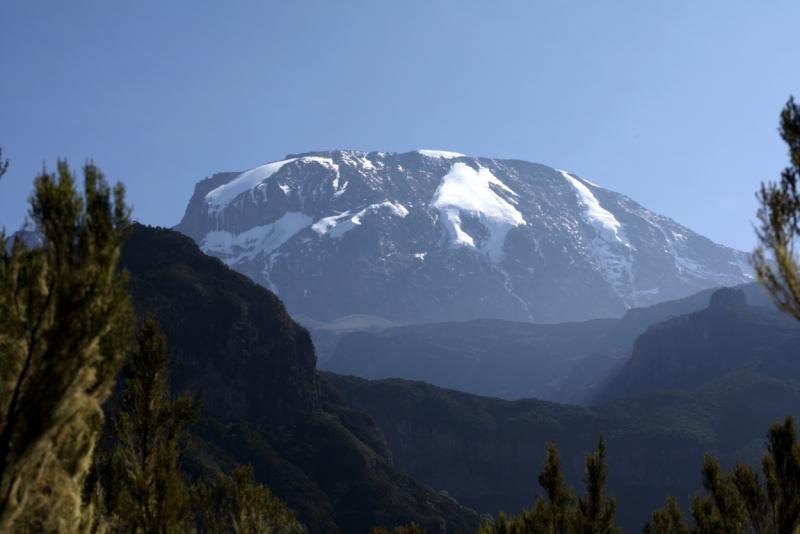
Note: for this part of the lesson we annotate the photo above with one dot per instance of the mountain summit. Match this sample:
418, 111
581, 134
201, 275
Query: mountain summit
430, 236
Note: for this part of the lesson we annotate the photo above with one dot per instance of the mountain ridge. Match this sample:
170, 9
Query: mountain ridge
430, 236
563, 362
264, 404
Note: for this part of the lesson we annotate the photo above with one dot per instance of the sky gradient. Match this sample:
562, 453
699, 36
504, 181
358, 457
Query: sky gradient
675, 105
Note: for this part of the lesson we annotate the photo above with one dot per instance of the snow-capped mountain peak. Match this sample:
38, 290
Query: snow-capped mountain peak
433, 235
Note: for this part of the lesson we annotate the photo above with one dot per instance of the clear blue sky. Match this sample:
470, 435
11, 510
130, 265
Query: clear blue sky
674, 104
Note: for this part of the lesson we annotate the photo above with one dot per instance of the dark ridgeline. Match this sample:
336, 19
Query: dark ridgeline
566, 362
264, 403
233, 341
710, 381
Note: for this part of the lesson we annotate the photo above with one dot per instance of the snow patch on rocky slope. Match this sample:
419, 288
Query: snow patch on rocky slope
609, 245
464, 191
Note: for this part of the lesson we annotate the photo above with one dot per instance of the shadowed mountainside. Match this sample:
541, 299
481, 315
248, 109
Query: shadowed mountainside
487, 452
689, 351
264, 403
564, 362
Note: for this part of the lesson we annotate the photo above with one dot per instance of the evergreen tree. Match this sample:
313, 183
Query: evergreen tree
553, 516
562, 511
595, 511
737, 502
235, 504
721, 510
64, 327
780, 223
667, 520
146, 493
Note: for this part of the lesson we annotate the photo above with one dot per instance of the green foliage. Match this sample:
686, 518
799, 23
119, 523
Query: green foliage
552, 516
236, 504
146, 493
411, 528
65, 324
563, 512
737, 502
780, 223
668, 520
721, 510
595, 511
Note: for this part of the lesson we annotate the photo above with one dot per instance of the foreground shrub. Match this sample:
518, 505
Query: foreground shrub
64, 327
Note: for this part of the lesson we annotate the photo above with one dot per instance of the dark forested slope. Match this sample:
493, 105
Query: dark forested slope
487, 452
710, 381
233, 341
264, 402
689, 351
510, 360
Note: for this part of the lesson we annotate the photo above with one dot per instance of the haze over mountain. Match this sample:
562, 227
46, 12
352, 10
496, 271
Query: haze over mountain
564, 362
711, 380
431, 236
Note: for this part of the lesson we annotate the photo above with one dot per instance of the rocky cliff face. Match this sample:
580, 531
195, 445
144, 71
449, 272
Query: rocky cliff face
232, 340
689, 351
264, 403
436, 236
487, 453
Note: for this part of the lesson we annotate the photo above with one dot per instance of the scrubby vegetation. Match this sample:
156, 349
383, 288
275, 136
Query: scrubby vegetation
737, 502
776, 261
65, 323
65, 327
562, 511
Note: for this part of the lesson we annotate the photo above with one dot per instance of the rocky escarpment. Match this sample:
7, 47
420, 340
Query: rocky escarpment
431, 236
232, 340
487, 453
709, 381
689, 351
264, 403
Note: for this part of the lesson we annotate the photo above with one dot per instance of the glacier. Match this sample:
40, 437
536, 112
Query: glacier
464, 190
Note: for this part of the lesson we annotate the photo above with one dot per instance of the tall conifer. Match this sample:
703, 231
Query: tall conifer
595, 511
146, 491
